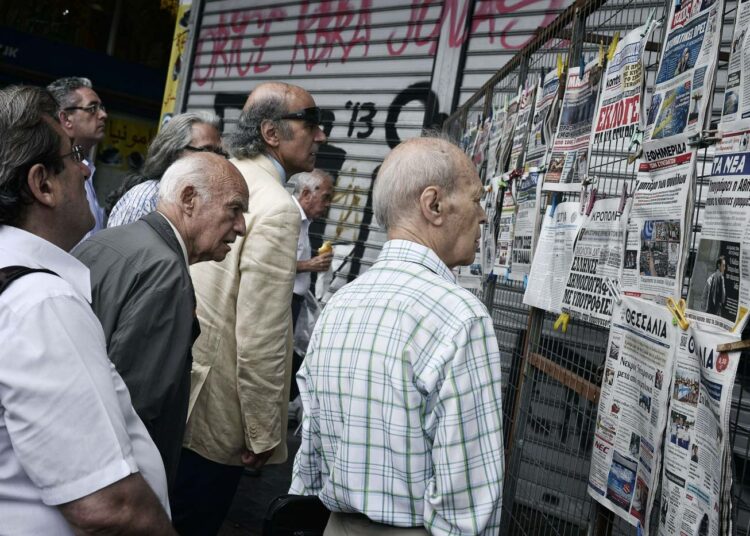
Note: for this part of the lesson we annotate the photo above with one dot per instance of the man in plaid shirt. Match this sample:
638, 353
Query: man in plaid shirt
402, 430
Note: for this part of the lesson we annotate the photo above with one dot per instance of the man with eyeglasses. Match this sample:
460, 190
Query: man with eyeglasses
242, 359
74, 456
83, 117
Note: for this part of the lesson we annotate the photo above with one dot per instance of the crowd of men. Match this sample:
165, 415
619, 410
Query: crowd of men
147, 358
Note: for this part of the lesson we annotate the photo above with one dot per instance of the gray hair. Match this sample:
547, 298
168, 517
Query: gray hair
247, 141
405, 173
172, 139
28, 137
196, 170
63, 90
309, 181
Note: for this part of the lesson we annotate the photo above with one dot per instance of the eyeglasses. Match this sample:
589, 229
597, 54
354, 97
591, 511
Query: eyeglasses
91, 108
311, 116
77, 154
208, 149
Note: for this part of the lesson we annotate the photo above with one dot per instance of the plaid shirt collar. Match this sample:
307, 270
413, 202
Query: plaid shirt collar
407, 251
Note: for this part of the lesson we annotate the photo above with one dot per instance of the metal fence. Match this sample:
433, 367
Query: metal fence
552, 378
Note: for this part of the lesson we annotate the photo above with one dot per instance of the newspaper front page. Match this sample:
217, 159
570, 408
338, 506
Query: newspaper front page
697, 436
686, 70
736, 110
494, 141
521, 132
656, 242
632, 411
719, 292
567, 161
505, 232
541, 130
553, 256
528, 193
598, 254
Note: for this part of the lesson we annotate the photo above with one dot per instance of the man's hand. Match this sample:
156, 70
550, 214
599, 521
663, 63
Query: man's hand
255, 461
321, 263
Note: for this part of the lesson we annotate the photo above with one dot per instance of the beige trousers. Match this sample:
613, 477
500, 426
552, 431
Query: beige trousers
340, 524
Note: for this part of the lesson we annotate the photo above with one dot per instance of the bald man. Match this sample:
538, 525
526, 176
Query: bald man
242, 359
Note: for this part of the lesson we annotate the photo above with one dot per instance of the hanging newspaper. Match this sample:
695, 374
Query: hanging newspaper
655, 247
479, 153
720, 285
473, 276
697, 435
632, 409
493, 143
618, 113
505, 235
686, 70
567, 163
541, 129
521, 132
736, 110
553, 255
469, 137
527, 192
598, 254
506, 137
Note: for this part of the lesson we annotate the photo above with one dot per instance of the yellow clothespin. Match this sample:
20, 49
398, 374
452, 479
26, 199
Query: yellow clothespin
678, 311
560, 66
562, 322
613, 45
600, 60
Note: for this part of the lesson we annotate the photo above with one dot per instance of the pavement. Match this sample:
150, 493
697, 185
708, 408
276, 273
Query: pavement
255, 492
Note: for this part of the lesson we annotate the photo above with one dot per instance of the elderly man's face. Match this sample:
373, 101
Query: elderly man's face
315, 203
298, 153
464, 215
219, 220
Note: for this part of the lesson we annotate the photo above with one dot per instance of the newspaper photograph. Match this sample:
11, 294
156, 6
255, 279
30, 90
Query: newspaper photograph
528, 202
598, 254
719, 293
552, 257
541, 129
655, 244
505, 233
697, 436
567, 161
632, 412
686, 70
521, 132
735, 113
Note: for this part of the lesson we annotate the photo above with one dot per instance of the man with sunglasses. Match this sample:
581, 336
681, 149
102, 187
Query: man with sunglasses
242, 359
74, 456
83, 117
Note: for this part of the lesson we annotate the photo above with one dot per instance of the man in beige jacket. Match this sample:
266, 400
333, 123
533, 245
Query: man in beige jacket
241, 361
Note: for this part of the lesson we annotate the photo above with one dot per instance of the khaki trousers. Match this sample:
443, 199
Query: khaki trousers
340, 524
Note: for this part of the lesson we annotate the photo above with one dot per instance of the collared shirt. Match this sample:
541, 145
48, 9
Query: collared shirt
302, 280
178, 236
96, 210
140, 200
279, 168
67, 426
401, 391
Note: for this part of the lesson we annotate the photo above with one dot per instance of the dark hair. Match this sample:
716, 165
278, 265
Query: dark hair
247, 140
719, 261
28, 138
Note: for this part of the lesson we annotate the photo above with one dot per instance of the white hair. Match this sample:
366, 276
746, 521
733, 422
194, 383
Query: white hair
194, 170
309, 180
407, 170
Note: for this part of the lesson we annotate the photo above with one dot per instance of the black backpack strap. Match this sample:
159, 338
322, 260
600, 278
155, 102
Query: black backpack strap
11, 273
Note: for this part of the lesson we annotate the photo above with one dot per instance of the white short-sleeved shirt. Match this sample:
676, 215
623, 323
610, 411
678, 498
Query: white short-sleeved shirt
302, 279
67, 426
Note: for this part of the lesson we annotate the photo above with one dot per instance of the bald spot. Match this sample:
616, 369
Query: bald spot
271, 90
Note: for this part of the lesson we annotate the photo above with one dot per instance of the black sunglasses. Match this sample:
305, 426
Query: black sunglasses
311, 116
208, 149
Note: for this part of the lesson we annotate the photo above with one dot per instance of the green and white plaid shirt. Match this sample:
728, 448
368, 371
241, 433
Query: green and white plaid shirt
401, 392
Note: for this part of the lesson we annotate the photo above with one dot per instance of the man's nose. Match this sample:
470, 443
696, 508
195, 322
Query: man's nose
320, 136
239, 225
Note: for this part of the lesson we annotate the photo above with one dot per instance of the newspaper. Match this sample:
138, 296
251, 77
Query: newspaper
493, 142
697, 438
521, 132
479, 151
656, 241
526, 223
736, 110
553, 256
632, 412
505, 235
598, 254
719, 292
567, 163
541, 129
506, 137
686, 69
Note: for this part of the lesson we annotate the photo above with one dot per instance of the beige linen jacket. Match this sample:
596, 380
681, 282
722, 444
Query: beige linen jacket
242, 360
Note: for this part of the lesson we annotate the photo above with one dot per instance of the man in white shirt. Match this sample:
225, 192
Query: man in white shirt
74, 456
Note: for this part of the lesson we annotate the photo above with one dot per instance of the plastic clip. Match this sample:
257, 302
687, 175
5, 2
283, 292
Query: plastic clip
623, 198
562, 322
592, 200
613, 45
636, 140
555, 199
584, 194
582, 65
614, 289
678, 312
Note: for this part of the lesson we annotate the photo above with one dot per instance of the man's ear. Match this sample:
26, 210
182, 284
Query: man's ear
65, 121
43, 185
187, 199
431, 205
270, 133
